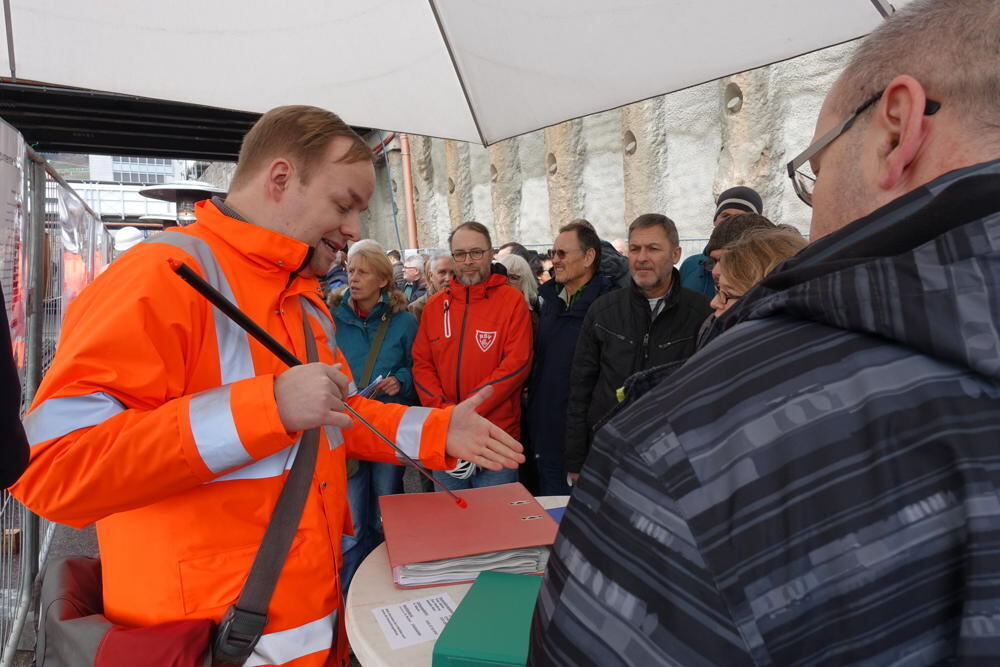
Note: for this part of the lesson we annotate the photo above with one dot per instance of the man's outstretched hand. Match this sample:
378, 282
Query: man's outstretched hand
472, 438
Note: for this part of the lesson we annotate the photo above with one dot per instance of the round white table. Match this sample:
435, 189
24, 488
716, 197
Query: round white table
372, 587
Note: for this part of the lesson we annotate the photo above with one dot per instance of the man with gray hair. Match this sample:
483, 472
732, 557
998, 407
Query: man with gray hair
818, 485
440, 271
413, 286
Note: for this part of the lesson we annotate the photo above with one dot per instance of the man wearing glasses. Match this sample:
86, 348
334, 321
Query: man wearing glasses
818, 485
474, 333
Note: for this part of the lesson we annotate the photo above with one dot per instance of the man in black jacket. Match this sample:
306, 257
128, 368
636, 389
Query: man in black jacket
651, 322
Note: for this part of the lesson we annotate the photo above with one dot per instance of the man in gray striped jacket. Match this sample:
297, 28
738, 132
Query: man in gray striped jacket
821, 483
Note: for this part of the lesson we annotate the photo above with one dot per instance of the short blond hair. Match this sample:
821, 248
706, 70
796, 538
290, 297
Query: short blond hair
755, 254
302, 134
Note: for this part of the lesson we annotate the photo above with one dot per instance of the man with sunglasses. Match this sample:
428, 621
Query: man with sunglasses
818, 485
576, 285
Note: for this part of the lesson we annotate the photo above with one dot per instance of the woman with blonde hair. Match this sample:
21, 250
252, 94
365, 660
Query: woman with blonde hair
521, 277
375, 331
747, 260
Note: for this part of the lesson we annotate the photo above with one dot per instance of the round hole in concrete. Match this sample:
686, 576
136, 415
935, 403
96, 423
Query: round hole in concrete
733, 98
551, 164
629, 143
493, 173
451, 186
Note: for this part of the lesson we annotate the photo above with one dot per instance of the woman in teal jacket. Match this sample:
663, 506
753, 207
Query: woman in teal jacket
371, 313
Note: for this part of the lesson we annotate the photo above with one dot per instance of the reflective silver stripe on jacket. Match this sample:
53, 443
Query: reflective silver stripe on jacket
408, 433
326, 322
214, 430
271, 466
235, 362
61, 416
334, 437
278, 648
212, 423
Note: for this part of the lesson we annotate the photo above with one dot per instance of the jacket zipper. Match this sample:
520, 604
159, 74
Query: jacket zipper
674, 342
614, 333
461, 342
645, 338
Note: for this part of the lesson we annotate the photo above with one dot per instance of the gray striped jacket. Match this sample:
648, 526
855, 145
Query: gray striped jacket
819, 485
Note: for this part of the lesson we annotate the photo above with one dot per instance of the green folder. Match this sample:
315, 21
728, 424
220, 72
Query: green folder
492, 623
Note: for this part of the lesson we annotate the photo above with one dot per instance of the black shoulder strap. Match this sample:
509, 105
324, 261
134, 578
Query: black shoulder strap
383, 326
244, 622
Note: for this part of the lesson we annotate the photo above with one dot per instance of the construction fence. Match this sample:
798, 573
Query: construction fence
51, 246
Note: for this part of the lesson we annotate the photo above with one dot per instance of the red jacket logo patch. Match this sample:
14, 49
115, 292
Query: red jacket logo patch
485, 339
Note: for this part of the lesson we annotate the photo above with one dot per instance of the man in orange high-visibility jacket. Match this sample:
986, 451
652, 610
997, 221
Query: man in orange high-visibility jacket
164, 423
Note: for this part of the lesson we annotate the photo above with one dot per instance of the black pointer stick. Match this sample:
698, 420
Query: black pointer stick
230, 310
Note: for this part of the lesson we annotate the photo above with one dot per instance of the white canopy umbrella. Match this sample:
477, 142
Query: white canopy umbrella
474, 70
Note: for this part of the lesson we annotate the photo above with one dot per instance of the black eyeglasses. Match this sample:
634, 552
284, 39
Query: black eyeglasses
476, 255
804, 182
724, 296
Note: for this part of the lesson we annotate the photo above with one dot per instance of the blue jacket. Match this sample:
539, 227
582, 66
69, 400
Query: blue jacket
334, 278
354, 337
555, 342
695, 277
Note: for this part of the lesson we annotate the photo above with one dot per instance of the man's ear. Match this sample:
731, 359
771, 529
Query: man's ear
677, 254
279, 177
900, 117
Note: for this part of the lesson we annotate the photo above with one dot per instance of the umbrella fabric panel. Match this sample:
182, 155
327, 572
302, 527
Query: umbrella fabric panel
378, 63
527, 64
390, 64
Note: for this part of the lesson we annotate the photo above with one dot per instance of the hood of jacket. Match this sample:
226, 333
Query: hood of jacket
459, 292
614, 265
922, 272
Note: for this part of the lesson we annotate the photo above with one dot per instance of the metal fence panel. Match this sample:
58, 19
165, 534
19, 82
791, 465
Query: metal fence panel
51, 247
14, 281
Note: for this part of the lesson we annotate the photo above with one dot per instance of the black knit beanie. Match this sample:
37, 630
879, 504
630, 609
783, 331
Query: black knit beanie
741, 198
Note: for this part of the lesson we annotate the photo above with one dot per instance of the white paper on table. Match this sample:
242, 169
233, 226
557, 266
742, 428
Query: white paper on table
415, 621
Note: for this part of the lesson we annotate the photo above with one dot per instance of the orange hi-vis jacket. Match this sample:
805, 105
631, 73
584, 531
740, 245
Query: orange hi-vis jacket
471, 337
158, 421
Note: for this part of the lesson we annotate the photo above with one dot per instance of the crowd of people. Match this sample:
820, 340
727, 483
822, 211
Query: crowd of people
432, 329
779, 452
